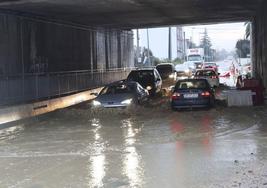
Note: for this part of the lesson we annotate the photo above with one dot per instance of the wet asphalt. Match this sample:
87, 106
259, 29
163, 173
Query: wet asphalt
144, 147
148, 146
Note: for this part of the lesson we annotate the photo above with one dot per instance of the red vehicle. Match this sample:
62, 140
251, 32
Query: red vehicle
210, 66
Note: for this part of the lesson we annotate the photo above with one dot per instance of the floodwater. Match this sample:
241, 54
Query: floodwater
147, 147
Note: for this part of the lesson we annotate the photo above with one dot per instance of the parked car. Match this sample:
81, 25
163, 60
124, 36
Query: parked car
149, 79
192, 93
210, 75
208, 65
167, 73
121, 94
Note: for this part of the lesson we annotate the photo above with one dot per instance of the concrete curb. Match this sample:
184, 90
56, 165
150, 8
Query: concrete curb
19, 112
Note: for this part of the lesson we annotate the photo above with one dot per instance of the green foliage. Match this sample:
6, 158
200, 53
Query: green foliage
177, 61
157, 61
154, 61
205, 43
243, 48
191, 45
221, 55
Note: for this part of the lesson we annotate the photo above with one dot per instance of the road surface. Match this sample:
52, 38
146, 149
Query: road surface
149, 147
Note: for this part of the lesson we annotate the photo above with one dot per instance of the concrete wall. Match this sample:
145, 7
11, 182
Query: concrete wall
40, 59
30, 46
259, 46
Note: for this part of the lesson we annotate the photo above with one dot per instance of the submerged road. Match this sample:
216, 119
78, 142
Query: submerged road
148, 147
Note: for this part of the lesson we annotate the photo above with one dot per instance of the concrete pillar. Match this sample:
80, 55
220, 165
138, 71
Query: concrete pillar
259, 39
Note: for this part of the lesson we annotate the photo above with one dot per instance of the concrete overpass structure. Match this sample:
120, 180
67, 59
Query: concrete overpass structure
134, 13
42, 39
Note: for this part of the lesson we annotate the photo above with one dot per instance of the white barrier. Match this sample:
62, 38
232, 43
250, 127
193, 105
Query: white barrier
238, 97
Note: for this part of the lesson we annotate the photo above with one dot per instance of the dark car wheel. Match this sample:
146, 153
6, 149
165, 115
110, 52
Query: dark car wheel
152, 93
173, 108
212, 102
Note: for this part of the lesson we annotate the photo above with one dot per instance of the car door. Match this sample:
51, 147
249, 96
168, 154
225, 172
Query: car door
141, 93
158, 80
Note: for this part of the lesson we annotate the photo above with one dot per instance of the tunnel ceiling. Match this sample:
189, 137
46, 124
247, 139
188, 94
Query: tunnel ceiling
134, 13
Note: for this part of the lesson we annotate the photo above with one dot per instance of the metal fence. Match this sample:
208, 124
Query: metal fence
33, 87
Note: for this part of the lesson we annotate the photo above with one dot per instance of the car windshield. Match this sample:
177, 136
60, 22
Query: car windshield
198, 65
141, 75
117, 89
194, 58
165, 69
206, 73
210, 64
191, 84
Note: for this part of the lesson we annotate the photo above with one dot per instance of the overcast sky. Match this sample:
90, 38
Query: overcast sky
223, 36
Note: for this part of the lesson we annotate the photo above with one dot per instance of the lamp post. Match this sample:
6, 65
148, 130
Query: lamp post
148, 48
170, 44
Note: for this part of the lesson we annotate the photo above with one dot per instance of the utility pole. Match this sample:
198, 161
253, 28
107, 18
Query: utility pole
192, 35
170, 44
148, 49
137, 43
184, 47
252, 55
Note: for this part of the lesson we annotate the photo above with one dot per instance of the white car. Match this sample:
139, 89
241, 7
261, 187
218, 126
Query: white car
183, 70
210, 75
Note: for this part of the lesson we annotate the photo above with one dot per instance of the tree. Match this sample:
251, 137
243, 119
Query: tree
243, 48
221, 55
177, 61
191, 44
205, 43
146, 59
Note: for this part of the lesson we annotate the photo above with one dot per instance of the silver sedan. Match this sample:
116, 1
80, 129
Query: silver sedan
121, 94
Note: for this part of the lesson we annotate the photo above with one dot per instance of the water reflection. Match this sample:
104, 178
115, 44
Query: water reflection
203, 132
11, 132
206, 127
132, 160
97, 160
97, 170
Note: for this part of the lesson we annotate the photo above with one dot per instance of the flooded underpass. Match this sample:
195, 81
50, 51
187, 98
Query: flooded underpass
148, 147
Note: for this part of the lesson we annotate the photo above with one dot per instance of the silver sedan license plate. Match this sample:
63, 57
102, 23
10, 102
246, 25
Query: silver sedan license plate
191, 96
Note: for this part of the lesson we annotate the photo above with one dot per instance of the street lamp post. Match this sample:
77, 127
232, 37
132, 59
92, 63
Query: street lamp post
148, 49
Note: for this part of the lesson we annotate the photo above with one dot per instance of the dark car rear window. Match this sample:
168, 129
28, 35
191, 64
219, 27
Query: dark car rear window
164, 69
209, 64
140, 75
191, 84
205, 73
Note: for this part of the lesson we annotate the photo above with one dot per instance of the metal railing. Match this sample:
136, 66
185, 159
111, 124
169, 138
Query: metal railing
35, 86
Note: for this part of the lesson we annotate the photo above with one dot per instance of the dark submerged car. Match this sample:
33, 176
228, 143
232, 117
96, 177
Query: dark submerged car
167, 73
148, 79
192, 93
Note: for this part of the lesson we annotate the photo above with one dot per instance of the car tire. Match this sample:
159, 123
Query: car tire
212, 102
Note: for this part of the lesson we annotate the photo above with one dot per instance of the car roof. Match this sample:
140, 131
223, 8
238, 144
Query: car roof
209, 63
143, 69
162, 64
122, 82
205, 70
189, 80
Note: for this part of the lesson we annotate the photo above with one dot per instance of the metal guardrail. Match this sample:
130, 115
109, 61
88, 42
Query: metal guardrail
33, 87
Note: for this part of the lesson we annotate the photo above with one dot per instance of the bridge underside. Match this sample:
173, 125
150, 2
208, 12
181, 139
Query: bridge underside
42, 39
134, 13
